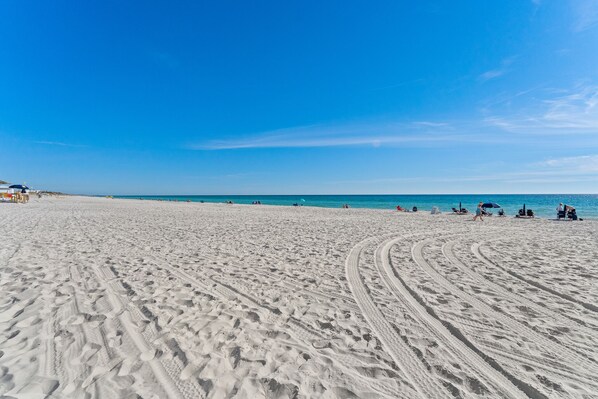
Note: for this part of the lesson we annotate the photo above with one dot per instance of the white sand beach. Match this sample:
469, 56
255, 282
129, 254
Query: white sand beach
109, 298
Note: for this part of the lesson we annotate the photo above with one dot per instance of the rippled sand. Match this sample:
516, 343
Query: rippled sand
117, 298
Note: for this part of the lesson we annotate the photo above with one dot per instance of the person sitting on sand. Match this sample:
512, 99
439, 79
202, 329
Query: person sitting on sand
478, 212
400, 209
571, 212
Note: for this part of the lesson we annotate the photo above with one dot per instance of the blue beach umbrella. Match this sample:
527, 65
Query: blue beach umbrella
19, 187
490, 205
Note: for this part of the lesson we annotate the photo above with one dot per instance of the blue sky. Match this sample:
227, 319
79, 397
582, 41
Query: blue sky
310, 97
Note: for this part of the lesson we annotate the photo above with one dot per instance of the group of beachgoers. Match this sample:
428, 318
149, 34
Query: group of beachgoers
566, 212
16, 196
480, 212
563, 211
401, 209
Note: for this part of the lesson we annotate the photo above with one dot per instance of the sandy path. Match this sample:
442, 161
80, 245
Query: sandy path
119, 298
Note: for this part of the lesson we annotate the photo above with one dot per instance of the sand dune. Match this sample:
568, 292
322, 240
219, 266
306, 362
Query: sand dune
105, 298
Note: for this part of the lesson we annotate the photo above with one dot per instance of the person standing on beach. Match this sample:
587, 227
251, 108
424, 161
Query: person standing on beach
478, 212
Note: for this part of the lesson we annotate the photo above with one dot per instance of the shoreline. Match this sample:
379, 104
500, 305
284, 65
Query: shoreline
389, 209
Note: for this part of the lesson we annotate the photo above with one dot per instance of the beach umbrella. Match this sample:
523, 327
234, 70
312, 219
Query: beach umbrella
460, 209
491, 205
19, 187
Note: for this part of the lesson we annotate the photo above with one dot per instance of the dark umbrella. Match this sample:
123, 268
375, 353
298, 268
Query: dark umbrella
19, 186
460, 209
491, 205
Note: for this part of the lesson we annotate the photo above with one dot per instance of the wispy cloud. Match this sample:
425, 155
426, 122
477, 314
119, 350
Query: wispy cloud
60, 144
568, 169
414, 133
578, 164
558, 112
430, 124
538, 111
492, 74
498, 72
577, 109
586, 14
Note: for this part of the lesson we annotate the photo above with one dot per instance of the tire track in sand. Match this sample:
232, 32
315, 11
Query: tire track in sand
449, 253
468, 356
167, 375
475, 248
509, 322
404, 357
148, 352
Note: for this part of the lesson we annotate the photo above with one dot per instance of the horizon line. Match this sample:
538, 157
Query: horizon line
307, 195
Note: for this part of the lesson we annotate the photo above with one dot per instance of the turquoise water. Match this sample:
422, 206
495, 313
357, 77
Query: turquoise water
544, 205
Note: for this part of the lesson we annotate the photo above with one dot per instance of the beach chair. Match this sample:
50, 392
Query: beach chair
463, 211
530, 213
561, 215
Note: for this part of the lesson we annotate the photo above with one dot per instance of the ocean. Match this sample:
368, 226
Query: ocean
543, 205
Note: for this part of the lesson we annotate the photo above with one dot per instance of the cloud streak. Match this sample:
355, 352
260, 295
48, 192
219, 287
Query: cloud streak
579, 164
578, 169
563, 111
373, 135
60, 144
492, 74
496, 73
586, 12
540, 112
